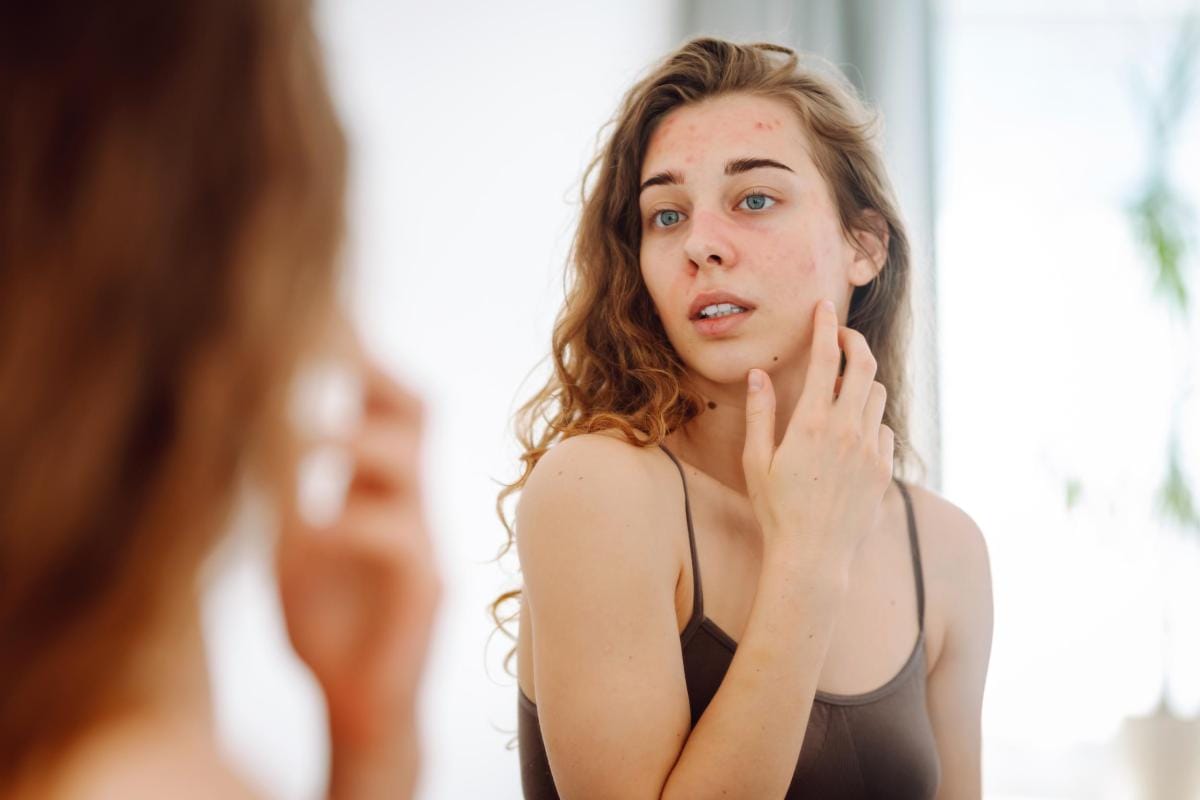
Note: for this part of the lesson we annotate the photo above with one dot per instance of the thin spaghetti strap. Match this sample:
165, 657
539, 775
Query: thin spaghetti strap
697, 592
918, 574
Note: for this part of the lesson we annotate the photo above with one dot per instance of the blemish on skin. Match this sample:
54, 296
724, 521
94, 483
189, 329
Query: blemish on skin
711, 404
775, 358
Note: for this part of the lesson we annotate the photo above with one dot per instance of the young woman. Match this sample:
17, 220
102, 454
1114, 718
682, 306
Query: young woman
727, 593
170, 215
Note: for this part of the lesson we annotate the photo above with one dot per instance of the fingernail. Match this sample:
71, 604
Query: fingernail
322, 477
827, 305
756, 380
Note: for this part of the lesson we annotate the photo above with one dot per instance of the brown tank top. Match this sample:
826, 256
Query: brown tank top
873, 745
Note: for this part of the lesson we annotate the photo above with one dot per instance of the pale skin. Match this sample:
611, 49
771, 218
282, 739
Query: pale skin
812, 578
359, 597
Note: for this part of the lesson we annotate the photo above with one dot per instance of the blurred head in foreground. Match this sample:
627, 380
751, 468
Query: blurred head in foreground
170, 215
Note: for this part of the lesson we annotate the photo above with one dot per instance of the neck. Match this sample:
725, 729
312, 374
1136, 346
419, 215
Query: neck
168, 724
714, 440
173, 671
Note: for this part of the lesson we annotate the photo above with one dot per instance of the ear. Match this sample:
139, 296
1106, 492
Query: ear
869, 249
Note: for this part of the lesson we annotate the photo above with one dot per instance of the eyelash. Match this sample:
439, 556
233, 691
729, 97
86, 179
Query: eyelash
654, 218
771, 200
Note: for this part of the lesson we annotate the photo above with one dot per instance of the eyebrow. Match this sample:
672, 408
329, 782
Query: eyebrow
734, 167
667, 178
740, 165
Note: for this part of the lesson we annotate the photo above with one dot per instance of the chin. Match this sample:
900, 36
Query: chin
727, 363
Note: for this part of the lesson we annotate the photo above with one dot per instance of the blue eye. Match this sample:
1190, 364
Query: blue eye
666, 218
757, 202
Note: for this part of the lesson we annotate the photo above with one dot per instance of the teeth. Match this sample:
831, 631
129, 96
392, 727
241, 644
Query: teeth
720, 310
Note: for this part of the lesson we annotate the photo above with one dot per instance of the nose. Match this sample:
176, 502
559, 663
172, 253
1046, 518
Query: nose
707, 243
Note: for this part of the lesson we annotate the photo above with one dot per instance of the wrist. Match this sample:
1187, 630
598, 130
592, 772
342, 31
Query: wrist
800, 558
381, 764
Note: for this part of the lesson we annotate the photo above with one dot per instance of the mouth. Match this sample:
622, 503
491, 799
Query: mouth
718, 310
715, 305
721, 321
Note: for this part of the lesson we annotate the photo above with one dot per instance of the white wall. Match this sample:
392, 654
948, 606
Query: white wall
1058, 364
471, 124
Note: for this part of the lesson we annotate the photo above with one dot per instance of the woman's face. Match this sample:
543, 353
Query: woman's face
734, 211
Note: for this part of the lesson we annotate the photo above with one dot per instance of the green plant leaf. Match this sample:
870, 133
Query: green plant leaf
1176, 505
1074, 489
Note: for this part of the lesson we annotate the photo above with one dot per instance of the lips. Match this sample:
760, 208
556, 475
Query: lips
720, 327
704, 299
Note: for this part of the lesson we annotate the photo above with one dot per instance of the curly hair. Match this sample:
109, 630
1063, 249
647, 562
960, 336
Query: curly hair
614, 368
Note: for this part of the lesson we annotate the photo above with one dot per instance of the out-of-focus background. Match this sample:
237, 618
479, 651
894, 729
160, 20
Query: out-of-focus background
1047, 156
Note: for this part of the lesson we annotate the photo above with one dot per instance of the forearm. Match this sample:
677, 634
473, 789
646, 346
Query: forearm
748, 740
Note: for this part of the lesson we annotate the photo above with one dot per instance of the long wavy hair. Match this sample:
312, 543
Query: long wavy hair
614, 368
170, 216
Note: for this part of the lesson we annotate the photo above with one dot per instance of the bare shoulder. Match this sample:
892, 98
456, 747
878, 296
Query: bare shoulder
598, 518
591, 486
589, 462
946, 531
148, 760
959, 591
956, 566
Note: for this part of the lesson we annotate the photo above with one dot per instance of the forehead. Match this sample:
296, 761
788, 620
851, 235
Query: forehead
708, 133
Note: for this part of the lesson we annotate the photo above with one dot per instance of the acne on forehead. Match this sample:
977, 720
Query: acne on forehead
681, 133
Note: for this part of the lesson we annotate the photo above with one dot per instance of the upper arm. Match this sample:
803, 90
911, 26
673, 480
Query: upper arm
956, 684
600, 573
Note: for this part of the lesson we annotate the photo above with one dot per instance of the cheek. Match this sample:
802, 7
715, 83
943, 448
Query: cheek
655, 278
661, 268
789, 258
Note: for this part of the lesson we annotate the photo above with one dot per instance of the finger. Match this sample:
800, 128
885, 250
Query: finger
887, 447
385, 395
860, 372
824, 359
876, 403
387, 457
389, 534
760, 425
381, 392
